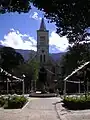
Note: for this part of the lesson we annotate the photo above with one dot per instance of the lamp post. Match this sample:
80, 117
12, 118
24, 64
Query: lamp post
7, 85
23, 85
55, 81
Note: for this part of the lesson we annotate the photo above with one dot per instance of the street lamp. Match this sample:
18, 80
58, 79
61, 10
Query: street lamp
8, 85
55, 81
23, 84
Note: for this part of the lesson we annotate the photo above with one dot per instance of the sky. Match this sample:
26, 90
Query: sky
19, 31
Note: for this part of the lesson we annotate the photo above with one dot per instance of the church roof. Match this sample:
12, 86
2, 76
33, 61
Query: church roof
42, 26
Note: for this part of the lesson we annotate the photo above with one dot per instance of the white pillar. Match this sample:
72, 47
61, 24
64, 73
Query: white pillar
35, 85
65, 88
7, 85
31, 85
23, 87
79, 88
87, 86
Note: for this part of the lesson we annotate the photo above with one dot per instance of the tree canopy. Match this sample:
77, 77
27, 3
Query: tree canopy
29, 68
14, 6
10, 58
76, 56
72, 17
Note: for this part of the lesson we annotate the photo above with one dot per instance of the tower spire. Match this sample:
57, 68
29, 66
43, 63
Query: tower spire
42, 26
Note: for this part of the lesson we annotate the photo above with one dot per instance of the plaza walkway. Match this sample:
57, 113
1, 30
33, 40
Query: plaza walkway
44, 109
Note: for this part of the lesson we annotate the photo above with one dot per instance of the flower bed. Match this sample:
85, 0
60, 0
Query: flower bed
13, 102
77, 103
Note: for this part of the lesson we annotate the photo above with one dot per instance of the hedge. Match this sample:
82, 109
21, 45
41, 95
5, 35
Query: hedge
77, 103
13, 102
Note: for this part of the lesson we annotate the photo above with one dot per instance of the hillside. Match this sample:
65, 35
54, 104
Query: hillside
29, 53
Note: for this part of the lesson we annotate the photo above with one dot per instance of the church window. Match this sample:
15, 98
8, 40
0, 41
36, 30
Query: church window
44, 58
40, 58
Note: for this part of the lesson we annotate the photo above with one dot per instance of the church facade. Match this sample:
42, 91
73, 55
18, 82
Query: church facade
43, 56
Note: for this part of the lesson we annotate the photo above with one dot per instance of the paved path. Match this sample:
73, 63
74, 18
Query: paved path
44, 109
37, 109
78, 115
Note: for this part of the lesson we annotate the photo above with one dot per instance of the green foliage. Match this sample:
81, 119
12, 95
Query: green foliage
34, 68
72, 17
15, 102
15, 6
10, 58
77, 102
75, 56
2, 101
29, 68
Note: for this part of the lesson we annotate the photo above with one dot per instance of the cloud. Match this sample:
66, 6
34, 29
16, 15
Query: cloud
60, 43
35, 16
17, 40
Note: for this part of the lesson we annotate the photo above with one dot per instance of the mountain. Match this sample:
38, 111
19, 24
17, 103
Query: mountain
24, 53
57, 56
27, 54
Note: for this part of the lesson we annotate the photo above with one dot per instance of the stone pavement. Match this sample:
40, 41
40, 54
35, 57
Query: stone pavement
78, 115
44, 109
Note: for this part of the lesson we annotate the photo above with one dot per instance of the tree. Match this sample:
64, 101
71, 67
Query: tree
30, 69
72, 17
76, 56
10, 58
34, 68
14, 6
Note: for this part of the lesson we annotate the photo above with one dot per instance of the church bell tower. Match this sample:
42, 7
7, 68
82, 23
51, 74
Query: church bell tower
42, 44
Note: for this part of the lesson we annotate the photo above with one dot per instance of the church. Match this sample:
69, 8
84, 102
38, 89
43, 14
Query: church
43, 56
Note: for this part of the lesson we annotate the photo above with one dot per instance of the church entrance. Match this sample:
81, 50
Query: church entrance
42, 80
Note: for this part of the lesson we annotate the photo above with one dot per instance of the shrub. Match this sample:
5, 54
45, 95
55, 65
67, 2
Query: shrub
14, 102
51, 90
76, 103
2, 101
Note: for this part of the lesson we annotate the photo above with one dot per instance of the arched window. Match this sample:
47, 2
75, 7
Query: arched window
40, 58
